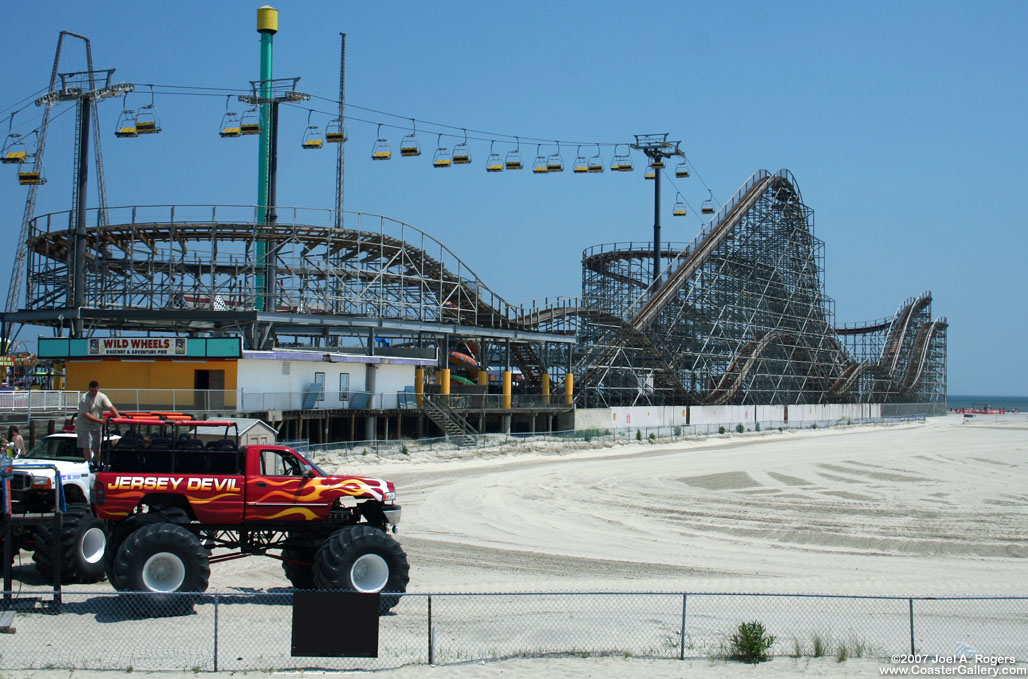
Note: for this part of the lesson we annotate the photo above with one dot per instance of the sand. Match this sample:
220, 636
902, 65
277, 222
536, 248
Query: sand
932, 509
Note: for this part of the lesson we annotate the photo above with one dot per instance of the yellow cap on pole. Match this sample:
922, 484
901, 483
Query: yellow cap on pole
267, 19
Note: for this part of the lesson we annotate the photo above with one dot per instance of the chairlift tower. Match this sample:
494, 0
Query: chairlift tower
268, 93
14, 290
657, 148
84, 88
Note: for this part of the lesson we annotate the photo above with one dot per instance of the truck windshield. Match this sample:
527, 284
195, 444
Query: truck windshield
56, 448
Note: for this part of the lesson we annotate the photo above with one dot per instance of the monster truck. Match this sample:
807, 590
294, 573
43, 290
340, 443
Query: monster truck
82, 536
174, 504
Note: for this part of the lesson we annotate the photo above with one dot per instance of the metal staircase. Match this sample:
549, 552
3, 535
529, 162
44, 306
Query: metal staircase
453, 425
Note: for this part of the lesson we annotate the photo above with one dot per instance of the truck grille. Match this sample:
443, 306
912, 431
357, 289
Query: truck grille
21, 481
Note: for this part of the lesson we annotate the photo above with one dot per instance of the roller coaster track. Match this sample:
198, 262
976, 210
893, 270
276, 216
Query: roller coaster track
663, 290
743, 362
916, 368
685, 265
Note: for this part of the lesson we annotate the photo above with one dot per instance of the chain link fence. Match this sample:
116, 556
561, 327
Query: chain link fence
593, 436
252, 631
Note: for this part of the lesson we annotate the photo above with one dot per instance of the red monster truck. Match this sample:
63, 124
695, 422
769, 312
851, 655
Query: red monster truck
170, 499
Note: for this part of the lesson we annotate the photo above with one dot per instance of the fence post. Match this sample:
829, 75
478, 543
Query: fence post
681, 648
431, 658
910, 603
217, 596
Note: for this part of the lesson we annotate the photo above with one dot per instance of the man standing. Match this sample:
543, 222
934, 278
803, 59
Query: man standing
88, 424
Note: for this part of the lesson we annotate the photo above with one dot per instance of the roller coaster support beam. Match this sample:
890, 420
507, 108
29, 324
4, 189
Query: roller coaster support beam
657, 148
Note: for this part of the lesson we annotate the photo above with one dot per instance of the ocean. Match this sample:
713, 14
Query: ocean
1008, 403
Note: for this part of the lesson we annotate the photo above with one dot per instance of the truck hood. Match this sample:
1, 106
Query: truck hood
68, 470
356, 486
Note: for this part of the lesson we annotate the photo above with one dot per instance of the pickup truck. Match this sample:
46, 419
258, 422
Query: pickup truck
175, 503
33, 484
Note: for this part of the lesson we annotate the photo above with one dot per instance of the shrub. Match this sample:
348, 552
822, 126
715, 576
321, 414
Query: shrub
750, 643
638, 435
405, 450
739, 428
588, 437
678, 431
721, 429
653, 437
757, 426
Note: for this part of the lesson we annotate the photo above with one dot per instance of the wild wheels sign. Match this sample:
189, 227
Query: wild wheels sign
137, 346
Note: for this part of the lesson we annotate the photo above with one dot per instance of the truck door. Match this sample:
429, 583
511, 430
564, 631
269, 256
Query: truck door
279, 491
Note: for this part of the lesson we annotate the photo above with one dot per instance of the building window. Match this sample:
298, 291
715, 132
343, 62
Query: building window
344, 386
319, 379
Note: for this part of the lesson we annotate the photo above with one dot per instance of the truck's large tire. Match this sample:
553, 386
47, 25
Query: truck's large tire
119, 530
300, 574
168, 562
363, 559
83, 540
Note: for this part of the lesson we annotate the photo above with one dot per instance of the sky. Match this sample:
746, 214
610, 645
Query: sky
903, 123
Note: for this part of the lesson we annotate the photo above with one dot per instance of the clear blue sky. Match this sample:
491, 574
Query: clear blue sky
904, 124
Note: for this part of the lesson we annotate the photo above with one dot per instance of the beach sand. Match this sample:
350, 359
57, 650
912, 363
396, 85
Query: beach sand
914, 509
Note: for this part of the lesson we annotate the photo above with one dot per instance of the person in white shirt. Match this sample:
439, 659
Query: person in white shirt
88, 424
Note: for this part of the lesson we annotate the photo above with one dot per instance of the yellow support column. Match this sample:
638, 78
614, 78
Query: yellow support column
569, 388
419, 386
546, 389
443, 378
506, 389
483, 377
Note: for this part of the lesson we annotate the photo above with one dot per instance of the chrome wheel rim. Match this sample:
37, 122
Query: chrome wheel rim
369, 573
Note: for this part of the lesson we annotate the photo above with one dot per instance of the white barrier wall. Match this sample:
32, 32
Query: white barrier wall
834, 411
674, 416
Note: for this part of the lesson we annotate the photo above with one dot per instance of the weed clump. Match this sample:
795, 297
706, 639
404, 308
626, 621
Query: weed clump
750, 643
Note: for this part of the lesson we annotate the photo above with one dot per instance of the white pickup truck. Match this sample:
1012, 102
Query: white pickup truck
83, 536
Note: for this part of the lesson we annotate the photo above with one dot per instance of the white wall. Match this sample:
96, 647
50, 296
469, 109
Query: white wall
270, 384
674, 416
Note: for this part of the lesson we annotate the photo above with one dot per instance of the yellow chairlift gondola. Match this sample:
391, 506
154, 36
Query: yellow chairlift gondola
14, 151
622, 162
32, 175
708, 205
250, 121
312, 138
596, 162
555, 163
231, 125
581, 165
335, 133
651, 172
493, 163
409, 146
514, 161
147, 120
539, 166
682, 170
679, 208
442, 156
126, 126
381, 150
462, 152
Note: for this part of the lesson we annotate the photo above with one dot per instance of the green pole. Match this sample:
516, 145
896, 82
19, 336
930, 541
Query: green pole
267, 26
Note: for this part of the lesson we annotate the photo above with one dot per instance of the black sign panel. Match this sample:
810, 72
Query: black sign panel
335, 624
